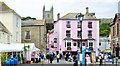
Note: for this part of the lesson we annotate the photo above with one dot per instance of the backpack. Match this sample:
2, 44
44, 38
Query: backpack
42, 56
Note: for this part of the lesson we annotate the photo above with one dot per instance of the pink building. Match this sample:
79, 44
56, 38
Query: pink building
65, 37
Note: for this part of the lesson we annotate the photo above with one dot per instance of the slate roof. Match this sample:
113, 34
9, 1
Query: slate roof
73, 16
4, 7
70, 16
117, 16
33, 22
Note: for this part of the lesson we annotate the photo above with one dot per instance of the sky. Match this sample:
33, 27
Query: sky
33, 8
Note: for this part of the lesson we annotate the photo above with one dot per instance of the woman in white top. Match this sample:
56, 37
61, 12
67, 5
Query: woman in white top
58, 56
88, 59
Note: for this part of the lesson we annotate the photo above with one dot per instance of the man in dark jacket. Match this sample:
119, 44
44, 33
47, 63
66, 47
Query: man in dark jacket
51, 58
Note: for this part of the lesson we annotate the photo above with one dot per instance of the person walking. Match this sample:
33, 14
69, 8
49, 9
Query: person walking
51, 58
100, 59
88, 61
36, 58
74, 58
42, 58
58, 57
48, 57
33, 57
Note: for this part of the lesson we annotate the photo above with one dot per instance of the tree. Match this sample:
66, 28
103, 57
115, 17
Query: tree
28, 18
105, 29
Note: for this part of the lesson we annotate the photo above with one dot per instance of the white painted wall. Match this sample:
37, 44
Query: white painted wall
105, 44
9, 20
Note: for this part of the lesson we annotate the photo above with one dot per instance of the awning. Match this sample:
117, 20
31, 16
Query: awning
17, 47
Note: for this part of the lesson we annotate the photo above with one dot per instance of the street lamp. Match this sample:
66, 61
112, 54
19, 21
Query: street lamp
80, 18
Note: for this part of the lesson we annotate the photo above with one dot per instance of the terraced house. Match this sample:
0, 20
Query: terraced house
65, 37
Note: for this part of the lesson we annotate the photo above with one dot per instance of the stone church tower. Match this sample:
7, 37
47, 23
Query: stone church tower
48, 15
49, 19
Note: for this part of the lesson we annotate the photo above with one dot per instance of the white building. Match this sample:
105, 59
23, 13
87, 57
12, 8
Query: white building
5, 35
12, 21
104, 43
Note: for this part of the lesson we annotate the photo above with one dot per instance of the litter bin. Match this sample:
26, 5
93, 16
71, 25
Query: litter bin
11, 62
7, 63
15, 61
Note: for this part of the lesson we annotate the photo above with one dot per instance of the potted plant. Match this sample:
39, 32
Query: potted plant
3, 58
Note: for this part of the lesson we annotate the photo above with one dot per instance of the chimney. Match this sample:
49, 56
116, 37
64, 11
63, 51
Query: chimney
87, 10
58, 16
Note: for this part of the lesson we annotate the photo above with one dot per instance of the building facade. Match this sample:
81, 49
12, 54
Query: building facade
5, 35
48, 15
104, 43
33, 31
115, 35
12, 21
49, 19
67, 31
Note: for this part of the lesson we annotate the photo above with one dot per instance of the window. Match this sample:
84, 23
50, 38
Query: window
78, 44
52, 46
86, 44
68, 25
17, 36
68, 44
74, 44
83, 44
99, 44
68, 33
27, 36
65, 44
90, 44
79, 34
8, 39
89, 24
117, 29
79, 25
17, 22
89, 33
55, 40
114, 31
48, 15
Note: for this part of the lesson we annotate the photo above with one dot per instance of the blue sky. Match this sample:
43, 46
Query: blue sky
33, 8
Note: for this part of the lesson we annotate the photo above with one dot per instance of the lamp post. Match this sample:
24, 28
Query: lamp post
80, 18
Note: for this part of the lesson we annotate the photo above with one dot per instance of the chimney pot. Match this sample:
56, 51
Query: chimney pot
87, 9
58, 16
